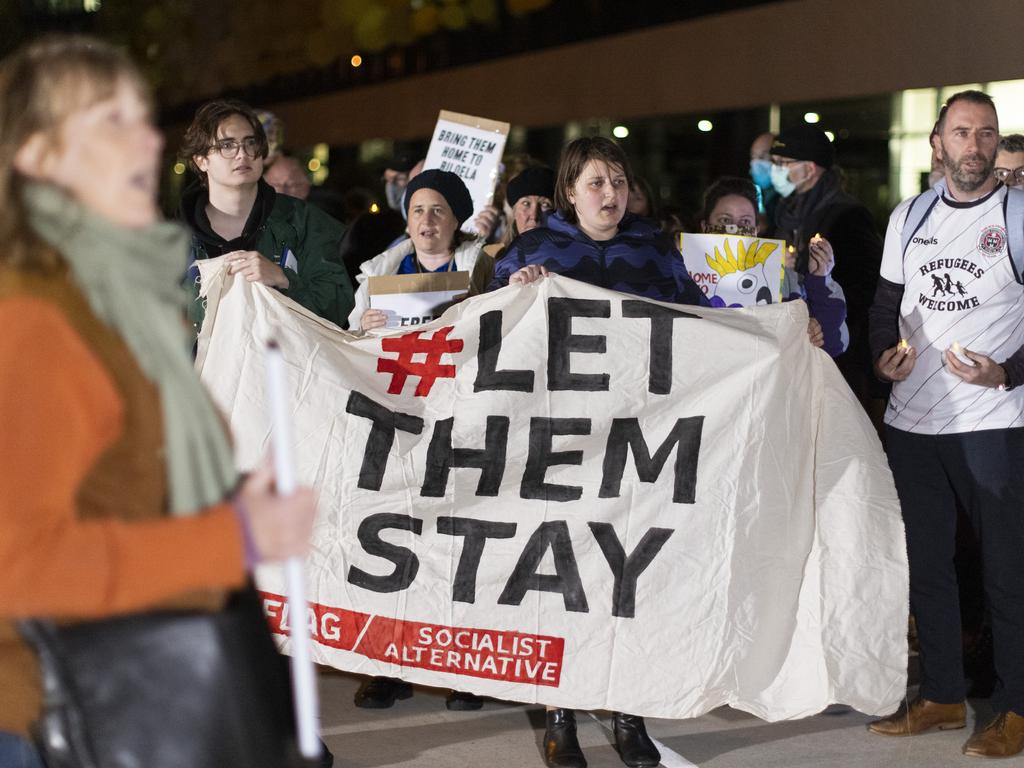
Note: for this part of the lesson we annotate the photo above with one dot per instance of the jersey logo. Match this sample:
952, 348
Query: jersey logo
944, 286
949, 285
925, 240
992, 241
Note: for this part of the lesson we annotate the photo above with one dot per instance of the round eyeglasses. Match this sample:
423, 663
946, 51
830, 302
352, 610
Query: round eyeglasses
228, 148
1010, 176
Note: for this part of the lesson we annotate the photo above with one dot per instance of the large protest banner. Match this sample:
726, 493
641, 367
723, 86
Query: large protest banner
556, 493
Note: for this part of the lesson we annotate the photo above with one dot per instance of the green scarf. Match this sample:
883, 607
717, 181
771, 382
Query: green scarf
131, 280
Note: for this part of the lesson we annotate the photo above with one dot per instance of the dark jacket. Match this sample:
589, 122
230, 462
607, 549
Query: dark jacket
640, 259
848, 225
277, 223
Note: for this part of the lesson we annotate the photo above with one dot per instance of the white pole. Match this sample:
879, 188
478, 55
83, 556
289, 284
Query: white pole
303, 676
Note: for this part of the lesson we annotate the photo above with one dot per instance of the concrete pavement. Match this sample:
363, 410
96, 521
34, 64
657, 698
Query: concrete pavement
421, 732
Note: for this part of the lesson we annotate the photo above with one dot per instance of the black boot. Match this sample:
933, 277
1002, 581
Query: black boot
561, 749
381, 692
326, 756
635, 747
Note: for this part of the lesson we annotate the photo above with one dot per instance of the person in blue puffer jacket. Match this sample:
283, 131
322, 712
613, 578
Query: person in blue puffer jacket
593, 238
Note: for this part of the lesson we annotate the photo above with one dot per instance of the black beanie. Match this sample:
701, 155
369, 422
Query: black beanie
446, 184
401, 162
538, 180
805, 142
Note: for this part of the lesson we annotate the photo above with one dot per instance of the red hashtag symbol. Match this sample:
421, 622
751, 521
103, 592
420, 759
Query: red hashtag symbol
429, 371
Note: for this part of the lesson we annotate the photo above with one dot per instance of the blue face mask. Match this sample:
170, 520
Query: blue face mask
761, 173
781, 182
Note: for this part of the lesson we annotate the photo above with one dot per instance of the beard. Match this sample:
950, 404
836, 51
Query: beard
965, 179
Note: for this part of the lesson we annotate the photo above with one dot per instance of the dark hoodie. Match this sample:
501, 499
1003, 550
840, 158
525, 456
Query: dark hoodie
300, 238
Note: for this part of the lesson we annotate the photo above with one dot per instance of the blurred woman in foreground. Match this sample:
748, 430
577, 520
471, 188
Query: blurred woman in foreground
117, 488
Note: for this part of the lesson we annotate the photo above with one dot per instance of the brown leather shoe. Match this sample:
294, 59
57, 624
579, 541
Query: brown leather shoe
1003, 737
921, 717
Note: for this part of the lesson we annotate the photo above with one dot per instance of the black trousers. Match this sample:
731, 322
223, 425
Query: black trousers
985, 472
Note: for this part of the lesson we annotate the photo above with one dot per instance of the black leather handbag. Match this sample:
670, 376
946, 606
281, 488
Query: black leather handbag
164, 690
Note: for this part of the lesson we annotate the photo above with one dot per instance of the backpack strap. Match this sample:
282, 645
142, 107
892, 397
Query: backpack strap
1013, 210
917, 214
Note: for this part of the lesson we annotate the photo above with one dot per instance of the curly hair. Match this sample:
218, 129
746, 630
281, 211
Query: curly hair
202, 133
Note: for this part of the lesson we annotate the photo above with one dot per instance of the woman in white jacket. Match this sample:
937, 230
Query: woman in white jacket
437, 203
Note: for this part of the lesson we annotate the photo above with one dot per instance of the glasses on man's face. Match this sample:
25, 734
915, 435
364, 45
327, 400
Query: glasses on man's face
1010, 176
228, 148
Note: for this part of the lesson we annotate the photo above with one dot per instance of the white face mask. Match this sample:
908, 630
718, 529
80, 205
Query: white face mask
781, 182
393, 193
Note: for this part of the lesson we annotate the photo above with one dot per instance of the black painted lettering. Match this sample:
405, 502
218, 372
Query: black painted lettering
475, 534
490, 459
626, 435
540, 457
562, 342
627, 570
553, 535
405, 560
382, 436
488, 377
659, 381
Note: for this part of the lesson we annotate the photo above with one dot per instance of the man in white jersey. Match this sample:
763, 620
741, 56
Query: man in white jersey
947, 328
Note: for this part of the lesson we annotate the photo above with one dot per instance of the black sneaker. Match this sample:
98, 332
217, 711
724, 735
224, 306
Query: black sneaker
459, 701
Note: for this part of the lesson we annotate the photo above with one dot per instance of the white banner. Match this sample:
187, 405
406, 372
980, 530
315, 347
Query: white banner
560, 494
735, 271
471, 148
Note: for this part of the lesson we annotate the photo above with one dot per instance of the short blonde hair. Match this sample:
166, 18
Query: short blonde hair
41, 85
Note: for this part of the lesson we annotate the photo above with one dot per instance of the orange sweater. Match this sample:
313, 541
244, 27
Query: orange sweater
84, 530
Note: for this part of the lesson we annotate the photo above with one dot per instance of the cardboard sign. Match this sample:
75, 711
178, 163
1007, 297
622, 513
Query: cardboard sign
411, 300
471, 148
735, 271
560, 494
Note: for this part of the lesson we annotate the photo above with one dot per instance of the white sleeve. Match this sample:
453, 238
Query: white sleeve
362, 303
892, 254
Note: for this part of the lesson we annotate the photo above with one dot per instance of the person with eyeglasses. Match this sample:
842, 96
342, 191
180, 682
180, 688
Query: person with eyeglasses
269, 238
730, 208
1010, 160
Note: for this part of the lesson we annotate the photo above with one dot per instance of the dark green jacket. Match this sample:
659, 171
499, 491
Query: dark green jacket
278, 222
